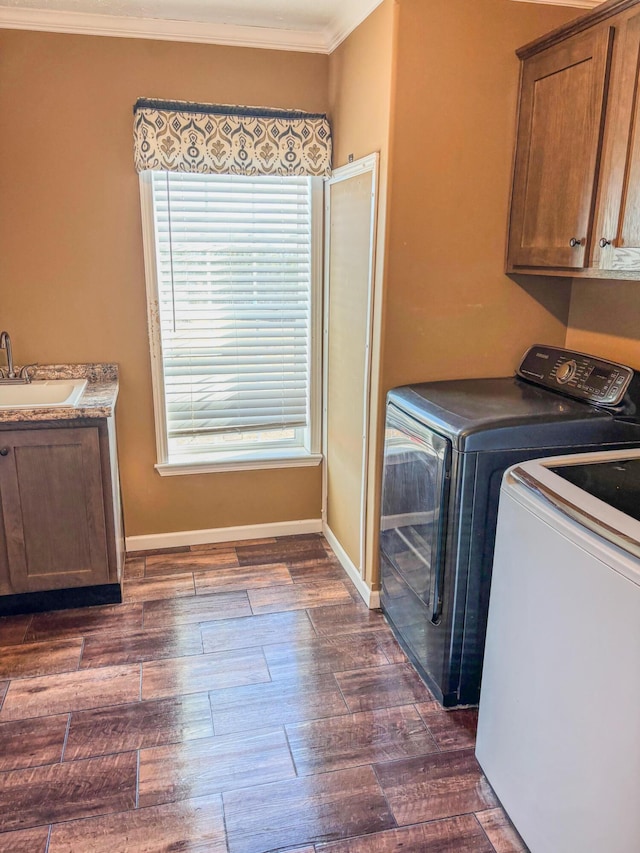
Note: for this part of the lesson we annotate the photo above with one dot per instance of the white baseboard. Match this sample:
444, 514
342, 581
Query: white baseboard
153, 541
370, 598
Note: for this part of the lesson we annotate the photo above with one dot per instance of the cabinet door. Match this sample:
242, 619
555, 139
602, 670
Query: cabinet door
559, 134
53, 509
617, 230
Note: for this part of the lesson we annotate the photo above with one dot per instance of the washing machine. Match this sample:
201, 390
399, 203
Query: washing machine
447, 445
559, 722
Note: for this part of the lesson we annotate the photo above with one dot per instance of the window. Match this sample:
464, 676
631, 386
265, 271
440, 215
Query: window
233, 286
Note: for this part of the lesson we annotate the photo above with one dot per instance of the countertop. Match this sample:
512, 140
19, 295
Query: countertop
97, 401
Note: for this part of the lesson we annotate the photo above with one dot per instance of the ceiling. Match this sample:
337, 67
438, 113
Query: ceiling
308, 25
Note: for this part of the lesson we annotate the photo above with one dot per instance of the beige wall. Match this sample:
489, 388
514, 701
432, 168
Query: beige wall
450, 310
360, 91
604, 320
71, 265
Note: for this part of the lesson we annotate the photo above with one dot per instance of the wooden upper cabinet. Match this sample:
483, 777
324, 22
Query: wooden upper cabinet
562, 108
616, 244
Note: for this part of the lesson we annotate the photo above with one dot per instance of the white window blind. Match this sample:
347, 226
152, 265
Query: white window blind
234, 289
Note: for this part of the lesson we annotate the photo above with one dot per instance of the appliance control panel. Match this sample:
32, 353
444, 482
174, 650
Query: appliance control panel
595, 380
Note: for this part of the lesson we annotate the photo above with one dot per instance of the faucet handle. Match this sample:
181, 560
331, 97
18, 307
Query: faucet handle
23, 373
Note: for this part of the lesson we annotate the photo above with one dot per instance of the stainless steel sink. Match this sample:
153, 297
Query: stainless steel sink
42, 393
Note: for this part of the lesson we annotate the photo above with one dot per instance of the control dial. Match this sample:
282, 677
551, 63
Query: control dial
566, 372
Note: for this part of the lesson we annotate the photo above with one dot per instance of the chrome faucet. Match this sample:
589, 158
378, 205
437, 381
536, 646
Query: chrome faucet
5, 344
10, 375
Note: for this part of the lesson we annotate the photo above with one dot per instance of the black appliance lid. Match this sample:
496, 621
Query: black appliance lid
507, 413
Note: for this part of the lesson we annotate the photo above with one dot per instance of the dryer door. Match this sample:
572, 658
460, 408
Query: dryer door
415, 494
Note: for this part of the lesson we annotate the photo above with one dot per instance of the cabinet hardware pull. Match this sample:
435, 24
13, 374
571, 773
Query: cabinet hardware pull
604, 242
4, 451
574, 242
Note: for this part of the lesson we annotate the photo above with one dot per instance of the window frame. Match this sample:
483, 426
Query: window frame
234, 460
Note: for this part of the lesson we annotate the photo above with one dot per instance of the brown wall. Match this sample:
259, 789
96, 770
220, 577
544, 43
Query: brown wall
605, 320
450, 310
71, 265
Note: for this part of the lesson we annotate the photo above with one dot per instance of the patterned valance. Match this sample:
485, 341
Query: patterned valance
177, 136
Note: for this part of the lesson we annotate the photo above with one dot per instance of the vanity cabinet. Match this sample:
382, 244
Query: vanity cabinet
60, 516
575, 207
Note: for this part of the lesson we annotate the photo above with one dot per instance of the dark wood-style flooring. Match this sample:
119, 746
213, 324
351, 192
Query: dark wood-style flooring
242, 699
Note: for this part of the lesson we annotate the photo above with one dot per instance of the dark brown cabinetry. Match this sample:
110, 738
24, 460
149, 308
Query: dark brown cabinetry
576, 194
60, 512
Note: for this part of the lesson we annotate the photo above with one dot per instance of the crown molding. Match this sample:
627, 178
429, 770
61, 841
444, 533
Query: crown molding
338, 31
90, 24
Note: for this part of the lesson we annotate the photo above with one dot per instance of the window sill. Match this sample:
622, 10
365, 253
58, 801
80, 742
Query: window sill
238, 462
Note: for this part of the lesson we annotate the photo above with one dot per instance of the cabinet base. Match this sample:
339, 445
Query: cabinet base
60, 599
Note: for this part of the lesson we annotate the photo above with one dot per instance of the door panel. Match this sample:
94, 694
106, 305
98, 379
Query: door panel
561, 120
348, 306
618, 224
53, 509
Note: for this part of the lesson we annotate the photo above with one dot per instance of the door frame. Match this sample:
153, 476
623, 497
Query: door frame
370, 163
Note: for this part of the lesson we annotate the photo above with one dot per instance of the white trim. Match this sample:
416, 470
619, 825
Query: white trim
256, 463
370, 597
153, 313
91, 24
153, 541
370, 163
341, 28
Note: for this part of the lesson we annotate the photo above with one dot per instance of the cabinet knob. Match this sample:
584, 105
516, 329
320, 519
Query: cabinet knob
574, 242
604, 243
4, 451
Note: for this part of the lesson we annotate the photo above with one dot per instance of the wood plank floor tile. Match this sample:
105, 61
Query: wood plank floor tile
55, 792
453, 835
450, 729
28, 743
315, 570
71, 691
61, 624
501, 832
280, 551
392, 648
336, 743
346, 619
324, 654
178, 549
298, 812
44, 658
154, 589
291, 627
140, 725
435, 786
138, 646
242, 577
176, 676
196, 826
177, 564
382, 687
202, 608
275, 703
211, 765
297, 596
13, 629
216, 546
133, 568
25, 840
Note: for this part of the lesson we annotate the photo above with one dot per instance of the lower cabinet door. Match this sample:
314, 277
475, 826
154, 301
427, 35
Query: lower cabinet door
53, 508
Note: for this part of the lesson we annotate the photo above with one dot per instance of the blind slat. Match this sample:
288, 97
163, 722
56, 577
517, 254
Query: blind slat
234, 260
